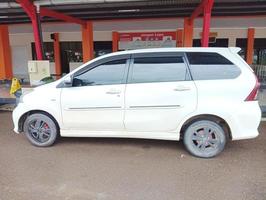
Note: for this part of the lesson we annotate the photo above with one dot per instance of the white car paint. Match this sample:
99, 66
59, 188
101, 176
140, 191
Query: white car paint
148, 110
99, 103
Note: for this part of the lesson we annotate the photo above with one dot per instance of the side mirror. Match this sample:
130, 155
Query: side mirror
68, 81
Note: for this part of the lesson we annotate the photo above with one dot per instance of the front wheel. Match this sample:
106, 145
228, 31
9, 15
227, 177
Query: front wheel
40, 130
204, 138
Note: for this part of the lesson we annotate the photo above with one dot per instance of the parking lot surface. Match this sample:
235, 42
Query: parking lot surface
99, 168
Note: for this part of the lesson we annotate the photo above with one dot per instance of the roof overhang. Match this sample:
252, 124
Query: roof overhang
11, 13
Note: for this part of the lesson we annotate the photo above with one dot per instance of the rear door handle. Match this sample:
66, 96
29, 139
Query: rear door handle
181, 88
113, 92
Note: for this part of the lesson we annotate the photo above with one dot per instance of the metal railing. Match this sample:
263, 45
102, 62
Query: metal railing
260, 71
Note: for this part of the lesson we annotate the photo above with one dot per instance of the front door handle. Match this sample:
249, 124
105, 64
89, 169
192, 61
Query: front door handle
181, 88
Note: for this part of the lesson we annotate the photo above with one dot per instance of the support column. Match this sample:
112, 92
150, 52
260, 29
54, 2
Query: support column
206, 29
5, 54
232, 42
38, 43
57, 56
206, 23
188, 33
179, 38
250, 46
31, 11
115, 40
87, 41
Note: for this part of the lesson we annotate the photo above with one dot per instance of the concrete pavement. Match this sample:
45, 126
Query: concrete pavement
95, 168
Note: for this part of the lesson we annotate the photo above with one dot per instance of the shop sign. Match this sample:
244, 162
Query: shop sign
146, 40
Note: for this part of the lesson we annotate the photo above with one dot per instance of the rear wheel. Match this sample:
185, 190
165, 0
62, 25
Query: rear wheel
40, 130
204, 138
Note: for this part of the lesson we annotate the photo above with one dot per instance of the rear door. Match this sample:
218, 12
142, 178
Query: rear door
159, 93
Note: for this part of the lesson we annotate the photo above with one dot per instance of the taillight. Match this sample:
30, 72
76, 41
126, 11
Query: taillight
253, 94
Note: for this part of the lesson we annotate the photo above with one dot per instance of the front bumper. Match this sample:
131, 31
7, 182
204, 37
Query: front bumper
17, 113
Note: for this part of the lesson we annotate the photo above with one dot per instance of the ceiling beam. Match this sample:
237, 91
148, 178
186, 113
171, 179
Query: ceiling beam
57, 15
29, 8
205, 5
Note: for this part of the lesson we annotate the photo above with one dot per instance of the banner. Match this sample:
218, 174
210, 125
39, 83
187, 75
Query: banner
146, 40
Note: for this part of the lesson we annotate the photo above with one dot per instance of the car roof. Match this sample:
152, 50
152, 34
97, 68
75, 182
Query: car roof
161, 50
175, 49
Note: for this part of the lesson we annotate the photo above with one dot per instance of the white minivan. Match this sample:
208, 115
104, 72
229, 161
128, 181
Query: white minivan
203, 96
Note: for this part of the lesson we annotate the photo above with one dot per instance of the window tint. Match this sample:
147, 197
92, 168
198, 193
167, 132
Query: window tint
105, 74
211, 66
201, 58
158, 69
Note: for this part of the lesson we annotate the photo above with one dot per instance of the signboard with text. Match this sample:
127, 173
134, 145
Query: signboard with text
146, 40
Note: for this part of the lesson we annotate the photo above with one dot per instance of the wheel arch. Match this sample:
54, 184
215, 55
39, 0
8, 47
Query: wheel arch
28, 113
222, 122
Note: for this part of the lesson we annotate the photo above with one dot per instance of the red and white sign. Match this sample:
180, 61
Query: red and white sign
146, 40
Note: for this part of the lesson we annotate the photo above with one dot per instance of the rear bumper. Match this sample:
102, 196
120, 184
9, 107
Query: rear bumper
245, 121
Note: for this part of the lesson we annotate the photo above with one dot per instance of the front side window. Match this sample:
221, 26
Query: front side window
211, 66
108, 73
158, 69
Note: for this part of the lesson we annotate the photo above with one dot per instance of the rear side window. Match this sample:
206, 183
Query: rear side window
211, 66
158, 69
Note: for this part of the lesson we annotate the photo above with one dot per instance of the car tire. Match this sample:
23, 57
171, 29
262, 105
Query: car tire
40, 129
204, 138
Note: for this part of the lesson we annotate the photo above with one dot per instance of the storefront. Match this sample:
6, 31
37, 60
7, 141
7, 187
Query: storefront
73, 32
93, 29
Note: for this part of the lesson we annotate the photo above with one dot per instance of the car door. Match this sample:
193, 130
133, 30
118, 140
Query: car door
159, 93
95, 101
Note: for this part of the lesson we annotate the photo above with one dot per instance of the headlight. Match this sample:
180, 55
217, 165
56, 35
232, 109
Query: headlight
24, 93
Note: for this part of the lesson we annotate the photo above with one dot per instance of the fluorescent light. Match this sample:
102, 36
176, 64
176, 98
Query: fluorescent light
131, 10
3, 17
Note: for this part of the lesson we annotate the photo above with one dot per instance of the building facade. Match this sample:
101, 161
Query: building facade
132, 34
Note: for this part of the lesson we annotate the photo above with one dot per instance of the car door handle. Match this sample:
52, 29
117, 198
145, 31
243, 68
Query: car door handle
181, 88
113, 92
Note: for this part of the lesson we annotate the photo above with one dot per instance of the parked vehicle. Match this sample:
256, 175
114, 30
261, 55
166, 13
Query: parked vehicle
204, 96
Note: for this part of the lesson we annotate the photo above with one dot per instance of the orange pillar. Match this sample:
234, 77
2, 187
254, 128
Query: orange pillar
179, 38
5, 54
57, 57
188, 33
115, 40
250, 46
87, 41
